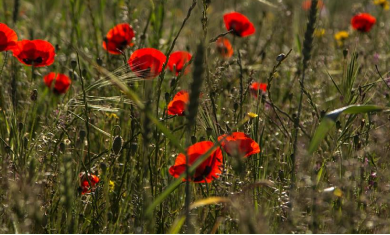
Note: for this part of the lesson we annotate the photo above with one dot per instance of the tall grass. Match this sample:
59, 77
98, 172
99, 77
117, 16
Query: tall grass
322, 125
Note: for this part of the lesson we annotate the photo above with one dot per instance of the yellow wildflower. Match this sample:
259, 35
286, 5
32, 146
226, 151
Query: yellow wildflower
319, 32
252, 115
340, 37
112, 116
111, 186
383, 3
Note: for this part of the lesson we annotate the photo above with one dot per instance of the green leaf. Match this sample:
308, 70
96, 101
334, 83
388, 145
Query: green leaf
330, 119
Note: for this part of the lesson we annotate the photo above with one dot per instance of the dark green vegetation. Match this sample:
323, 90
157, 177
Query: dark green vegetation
331, 177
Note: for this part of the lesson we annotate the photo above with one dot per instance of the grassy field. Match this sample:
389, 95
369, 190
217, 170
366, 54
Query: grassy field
286, 130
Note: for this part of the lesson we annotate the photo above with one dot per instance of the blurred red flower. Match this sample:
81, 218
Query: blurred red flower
178, 104
118, 38
204, 173
177, 60
224, 47
240, 25
147, 62
257, 87
84, 184
8, 38
62, 82
363, 22
239, 144
306, 5
37, 53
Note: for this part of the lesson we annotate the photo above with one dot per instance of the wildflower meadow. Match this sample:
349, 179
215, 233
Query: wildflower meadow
194, 116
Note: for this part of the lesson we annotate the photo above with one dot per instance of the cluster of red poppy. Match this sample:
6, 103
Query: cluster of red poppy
237, 144
37, 53
85, 186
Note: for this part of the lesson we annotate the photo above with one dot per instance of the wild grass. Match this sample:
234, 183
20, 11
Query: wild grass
322, 125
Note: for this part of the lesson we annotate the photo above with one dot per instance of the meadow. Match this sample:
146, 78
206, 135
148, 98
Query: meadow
194, 116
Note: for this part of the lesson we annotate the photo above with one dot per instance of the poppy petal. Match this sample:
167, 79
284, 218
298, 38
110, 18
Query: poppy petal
118, 38
177, 60
238, 143
147, 62
224, 47
38, 53
62, 82
178, 104
239, 23
8, 38
363, 22
206, 172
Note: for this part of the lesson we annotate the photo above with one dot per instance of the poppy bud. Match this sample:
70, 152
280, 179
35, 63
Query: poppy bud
202, 139
134, 146
99, 61
84, 73
167, 99
338, 125
322, 113
173, 82
34, 95
117, 145
235, 107
193, 139
73, 64
345, 53
103, 166
82, 134
62, 147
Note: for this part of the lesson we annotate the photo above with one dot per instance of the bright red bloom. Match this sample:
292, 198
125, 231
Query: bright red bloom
178, 104
210, 168
306, 5
224, 47
257, 87
241, 26
363, 22
239, 144
84, 184
8, 38
118, 38
147, 62
62, 82
177, 60
38, 53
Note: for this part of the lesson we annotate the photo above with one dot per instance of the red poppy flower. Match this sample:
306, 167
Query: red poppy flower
241, 26
224, 47
363, 22
306, 5
118, 38
257, 88
147, 62
177, 60
239, 144
178, 104
8, 38
204, 173
38, 53
84, 184
62, 82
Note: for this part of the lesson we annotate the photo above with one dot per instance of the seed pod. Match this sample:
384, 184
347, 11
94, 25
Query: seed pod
117, 145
